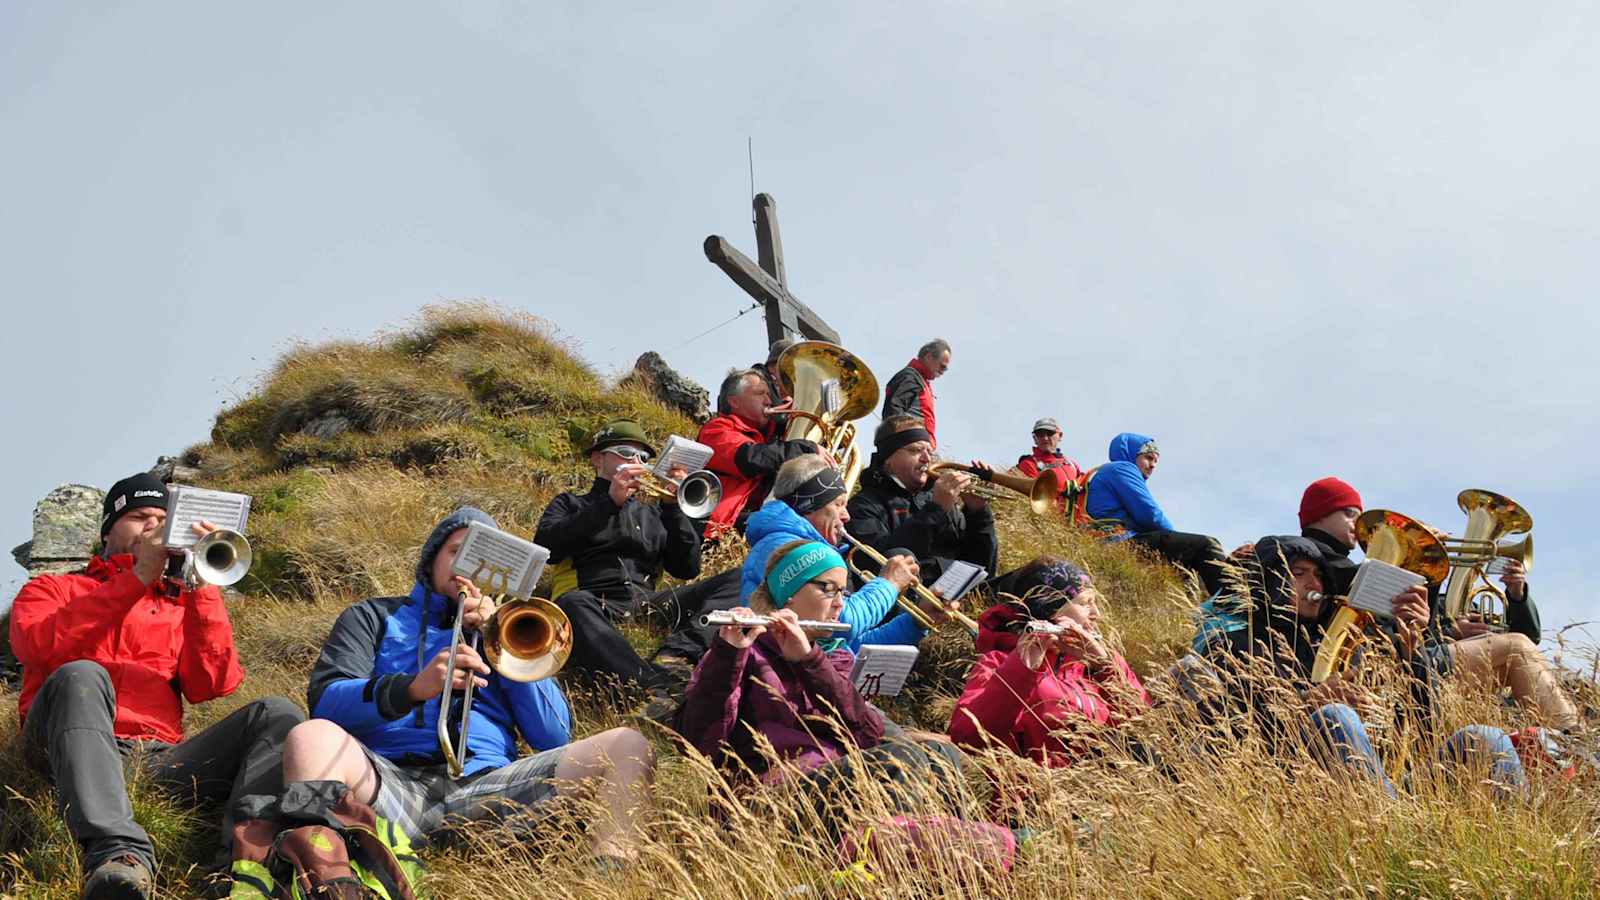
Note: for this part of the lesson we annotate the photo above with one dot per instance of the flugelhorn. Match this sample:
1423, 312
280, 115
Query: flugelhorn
917, 590
728, 617
828, 387
1490, 516
526, 640
697, 495
1390, 537
1041, 491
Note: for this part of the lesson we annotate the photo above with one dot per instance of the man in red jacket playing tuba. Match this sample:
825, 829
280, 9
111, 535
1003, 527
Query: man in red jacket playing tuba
108, 657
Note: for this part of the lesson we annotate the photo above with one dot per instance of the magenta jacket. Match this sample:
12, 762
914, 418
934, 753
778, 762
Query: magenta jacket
736, 694
1032, 712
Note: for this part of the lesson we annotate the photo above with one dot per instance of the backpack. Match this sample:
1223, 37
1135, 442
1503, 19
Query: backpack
1075, 494
317, 840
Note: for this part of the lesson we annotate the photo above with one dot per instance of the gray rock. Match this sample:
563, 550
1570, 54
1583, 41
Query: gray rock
173, 470
328, 425
683, 394
22, 552
66, 526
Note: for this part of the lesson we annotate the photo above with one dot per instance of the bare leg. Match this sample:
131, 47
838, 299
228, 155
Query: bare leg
318, 750
618, 766
1513, 661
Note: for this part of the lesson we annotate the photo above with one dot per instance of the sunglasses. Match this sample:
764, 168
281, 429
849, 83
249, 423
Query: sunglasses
631, 454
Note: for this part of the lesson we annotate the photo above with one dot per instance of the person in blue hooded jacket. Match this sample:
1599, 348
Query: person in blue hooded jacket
1118, 492
380, 680
810, 503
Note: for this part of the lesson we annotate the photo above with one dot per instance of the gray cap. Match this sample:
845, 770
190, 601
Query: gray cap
777, 348
1046, 424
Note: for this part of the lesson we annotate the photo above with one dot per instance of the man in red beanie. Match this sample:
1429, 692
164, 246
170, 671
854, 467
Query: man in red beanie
1328, 512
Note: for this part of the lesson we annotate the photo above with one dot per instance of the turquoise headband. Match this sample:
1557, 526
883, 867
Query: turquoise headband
799, 566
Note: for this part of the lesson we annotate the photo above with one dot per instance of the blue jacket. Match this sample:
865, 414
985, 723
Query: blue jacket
368, 662
1118, 490
776, 524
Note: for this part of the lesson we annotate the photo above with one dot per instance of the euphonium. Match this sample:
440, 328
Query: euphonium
1040, 492
1490, 516
906, 604
805, 370
524, 640
1389, 537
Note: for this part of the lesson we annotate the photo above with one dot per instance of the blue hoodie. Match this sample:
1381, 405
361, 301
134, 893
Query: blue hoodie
371, 655
1118, 490
776, 524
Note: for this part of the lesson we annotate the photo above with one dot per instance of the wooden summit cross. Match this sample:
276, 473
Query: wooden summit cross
767, 283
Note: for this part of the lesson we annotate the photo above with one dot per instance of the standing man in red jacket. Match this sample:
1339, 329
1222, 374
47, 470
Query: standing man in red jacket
746, 451
910, 391
108, 657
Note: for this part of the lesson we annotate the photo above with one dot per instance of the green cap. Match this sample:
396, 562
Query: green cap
619, 431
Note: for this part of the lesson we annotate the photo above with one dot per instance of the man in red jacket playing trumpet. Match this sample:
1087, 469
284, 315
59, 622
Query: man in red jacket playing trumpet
108, 657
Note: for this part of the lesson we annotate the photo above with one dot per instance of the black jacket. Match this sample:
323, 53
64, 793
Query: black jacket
618, 553
903, 395
1336, 560
885, 516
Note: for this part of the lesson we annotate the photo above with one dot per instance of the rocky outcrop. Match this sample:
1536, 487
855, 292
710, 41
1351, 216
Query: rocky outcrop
174, 470
66, 525
652, 373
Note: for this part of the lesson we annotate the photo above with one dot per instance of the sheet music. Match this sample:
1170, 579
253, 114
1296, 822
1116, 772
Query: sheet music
880, 670
499, 562
187, 505
957, 579
1376, 584
832, 396
680, 451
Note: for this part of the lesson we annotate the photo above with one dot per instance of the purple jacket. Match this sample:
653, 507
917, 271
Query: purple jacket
736, 694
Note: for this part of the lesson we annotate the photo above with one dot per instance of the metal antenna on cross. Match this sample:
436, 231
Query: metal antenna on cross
768, 282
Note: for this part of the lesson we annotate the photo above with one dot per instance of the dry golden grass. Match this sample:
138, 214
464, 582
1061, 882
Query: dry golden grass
472, 404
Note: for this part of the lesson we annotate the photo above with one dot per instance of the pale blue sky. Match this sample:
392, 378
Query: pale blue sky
1354, 239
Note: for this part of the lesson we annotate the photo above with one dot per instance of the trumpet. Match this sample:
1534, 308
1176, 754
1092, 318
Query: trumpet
917, 589
220, 558
728, 617
697, 495
1041, 491
524, 640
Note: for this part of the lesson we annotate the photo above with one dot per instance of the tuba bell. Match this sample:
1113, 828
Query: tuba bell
1490, 516
830, 387
1390, 537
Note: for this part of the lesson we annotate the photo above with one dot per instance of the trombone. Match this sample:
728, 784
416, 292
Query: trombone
917, 588
524, 640
697, 494
1041, 491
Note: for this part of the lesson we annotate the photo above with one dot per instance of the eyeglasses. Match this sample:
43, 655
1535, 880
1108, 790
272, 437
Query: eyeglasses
631, 454
827, 588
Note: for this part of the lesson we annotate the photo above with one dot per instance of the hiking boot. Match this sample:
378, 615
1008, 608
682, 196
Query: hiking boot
675, 669
123, 877
661, 707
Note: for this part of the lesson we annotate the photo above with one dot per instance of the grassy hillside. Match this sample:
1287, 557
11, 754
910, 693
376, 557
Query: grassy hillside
352, 451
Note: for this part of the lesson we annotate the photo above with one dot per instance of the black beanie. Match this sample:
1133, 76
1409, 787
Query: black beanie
133, 492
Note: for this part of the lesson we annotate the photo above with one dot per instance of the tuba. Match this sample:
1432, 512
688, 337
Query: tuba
1389, 537
830, 387
1490, 516
1040, 491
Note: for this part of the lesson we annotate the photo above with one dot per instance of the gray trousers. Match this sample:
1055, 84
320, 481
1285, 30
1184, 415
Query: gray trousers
68, 736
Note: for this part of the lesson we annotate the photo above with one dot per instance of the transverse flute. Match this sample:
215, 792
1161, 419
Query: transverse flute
728, 618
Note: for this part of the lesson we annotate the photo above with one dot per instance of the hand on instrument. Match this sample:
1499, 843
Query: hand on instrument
739, 636
973, 501
937, 609
1464, 629
625, 483
150, 551
947, 489
1411, 616
677, 474
900, 571
1080, 643
1515, 579
1036, 646
477, 608
791, 638
429, 683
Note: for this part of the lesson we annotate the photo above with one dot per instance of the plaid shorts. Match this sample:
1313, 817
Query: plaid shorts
422, 799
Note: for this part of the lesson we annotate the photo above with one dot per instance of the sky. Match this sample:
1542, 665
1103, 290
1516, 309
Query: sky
1357, 239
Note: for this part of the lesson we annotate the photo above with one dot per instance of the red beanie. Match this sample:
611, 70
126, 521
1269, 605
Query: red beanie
1324, 496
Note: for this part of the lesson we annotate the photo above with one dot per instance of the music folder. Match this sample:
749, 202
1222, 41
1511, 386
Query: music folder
958, 578
1377, 583
499, 562
187, 505
881, 670
680, 451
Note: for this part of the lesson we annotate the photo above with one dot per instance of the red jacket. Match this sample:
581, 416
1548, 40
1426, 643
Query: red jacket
1033, 712
745, 458
151, 645
1040, 460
